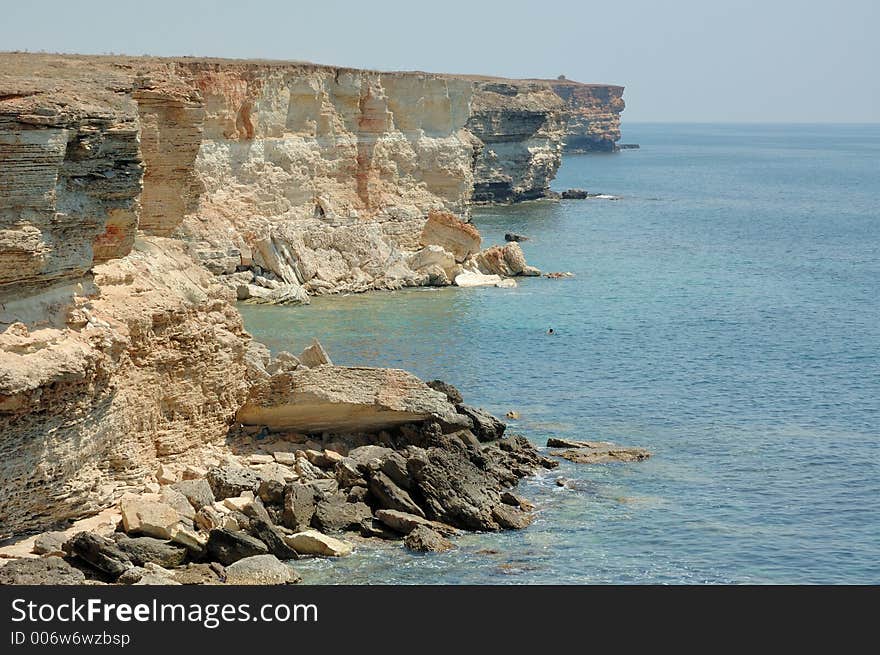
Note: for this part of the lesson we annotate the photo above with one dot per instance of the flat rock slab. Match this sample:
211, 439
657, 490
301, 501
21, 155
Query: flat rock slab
596, 452
344, 399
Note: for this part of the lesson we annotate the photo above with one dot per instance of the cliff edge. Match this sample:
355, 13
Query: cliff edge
140, 197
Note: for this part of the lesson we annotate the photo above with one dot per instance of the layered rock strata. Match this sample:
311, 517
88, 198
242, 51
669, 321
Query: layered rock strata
140, 197
591, 115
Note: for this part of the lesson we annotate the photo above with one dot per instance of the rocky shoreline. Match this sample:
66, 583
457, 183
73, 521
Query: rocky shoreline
421, 468
325, 460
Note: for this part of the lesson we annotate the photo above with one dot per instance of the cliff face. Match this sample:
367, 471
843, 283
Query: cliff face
135, 194
591, 115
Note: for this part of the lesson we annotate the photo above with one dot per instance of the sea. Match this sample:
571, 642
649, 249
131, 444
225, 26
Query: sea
724, 313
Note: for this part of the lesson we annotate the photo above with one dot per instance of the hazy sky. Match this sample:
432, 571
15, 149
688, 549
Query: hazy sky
681, 60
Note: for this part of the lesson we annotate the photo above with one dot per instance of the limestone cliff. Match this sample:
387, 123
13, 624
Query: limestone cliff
591, 115
136, 193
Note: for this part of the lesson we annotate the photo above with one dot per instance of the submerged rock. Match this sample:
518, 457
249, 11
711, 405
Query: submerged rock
596, 452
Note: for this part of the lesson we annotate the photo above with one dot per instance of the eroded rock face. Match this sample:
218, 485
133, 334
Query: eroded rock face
344, 399
592, 115
118, 349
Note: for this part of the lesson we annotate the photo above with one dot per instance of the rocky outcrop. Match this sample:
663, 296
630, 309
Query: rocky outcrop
344, 399
520, 131
591, 115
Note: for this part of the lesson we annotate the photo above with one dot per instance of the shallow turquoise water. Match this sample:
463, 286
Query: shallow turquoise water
725, 315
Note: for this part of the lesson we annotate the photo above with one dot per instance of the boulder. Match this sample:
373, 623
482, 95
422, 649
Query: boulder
285, 458
511, 518
197, 491
227, 546
50, 543
476, 279
99, 552
229, 481
306, 471
423, 539
276, 472
405, 523
485, 426
153, 518
575, 194
431, 256
452, 234
312, 542
335, 514
344, 399
390, 496
179, 502
273, 537
348, 474
453, 489
315, 355
513, 236
453, 395
364, 456
141, 550
195, 542
258, 570
300, 501
394, 466
271, 491
50, 570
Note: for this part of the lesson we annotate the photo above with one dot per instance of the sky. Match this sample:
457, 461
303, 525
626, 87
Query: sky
680, 60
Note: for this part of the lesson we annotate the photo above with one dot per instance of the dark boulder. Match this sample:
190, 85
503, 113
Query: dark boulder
575, 194
232, 481
300, 501
227, 546
453, 394
198, 492
486, 427
511, 236
98, 552
271, 491
335, 514
273, 538
511, 518
389, 496
141, 550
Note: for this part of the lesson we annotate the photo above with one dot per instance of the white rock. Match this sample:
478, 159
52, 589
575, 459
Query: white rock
149, 517
476, 279
312, 542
